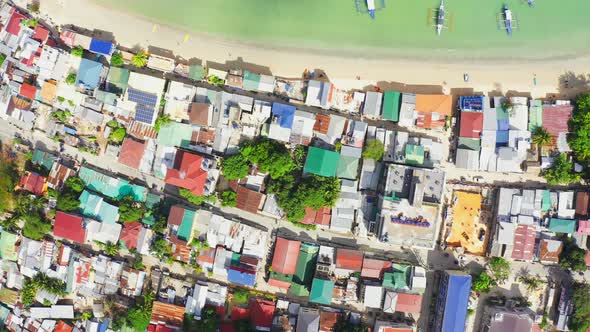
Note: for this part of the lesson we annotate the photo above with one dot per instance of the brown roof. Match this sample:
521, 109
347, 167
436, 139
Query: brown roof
322, 123
20, 103
168, 314
181, 251
175, 216
550, 250
58, 175
203, 136
328, 320
249, 200
199, 114
49, 92
131, 152
582, 200
319, 217
234, 80
374, 268
141, 130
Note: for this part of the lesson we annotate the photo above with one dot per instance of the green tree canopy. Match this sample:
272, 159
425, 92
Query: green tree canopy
374, 149
77, 51
68, 201
234, 167
8, 179
35, 227
580, 319
228, 198
161, 121
215, 81
140, 314
117, 60
71, 79
117, 135
270, 156
195, 199
579, 137
140, 59
483, 283
74, 184
561, 171
500, 269
130, 210
162, 249
572, 257
541, 136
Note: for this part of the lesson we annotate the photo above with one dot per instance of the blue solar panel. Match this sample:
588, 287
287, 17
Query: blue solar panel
144, 114
140, 97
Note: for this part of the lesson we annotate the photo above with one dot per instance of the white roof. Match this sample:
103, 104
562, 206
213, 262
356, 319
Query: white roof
467, 159
505, 232
518, 117
303, 123
102, 232
267, 83
278, 133
565, 207
180, 91
146, 83
373, 296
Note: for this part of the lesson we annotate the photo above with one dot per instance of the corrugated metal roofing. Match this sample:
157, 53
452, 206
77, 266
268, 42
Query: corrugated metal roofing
556, 117
471, 124
101, 46
348, 259
567, 226
321, 162
285, 256
321, 291
457, 299
524, 242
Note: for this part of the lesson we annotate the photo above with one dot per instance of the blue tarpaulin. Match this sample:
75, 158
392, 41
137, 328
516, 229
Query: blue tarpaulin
70, 130
471, 103
242, 278
101, 46
501, 137
285, 114
503, 124
458, 290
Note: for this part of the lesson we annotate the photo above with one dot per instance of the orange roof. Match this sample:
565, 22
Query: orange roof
318, 217
167, 313
440, 104
409, 303
322, 123
48, 92
328, 320
62, 327
249, 200
188, 172
349, 259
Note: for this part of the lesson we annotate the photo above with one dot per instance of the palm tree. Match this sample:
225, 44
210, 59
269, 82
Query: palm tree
532, 283
139, 59
541, 136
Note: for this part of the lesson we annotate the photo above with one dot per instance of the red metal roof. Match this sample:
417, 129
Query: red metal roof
471, 124
206, 256
62, 327
27, 90
318, 217
188, 172
41, 34
33, 183
582, 203
131, 153
69, 227
328, 320
238, 313
262, 313
130, 234
279, 283
524, 242
408, 303
285, 256
68, 37
248, 200
13, 26
167, 313
556, 117
374, 268
348, 259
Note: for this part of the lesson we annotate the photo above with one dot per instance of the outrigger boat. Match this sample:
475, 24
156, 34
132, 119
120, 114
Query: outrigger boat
440, 18
508, 19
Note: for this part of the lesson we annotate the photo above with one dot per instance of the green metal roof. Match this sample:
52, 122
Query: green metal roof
106, 97
567, 226
152, 200
306, 263
281, 276
391, 105
95, 207
321, 291
546, 202
7, 245
185, 230
399, 278
111, 186
44, 159
414, 154
501, 113
321, 162
535, 114
117, 79
235, 259
347, 167
251, 81
196, 72
175, 134
469, 143
298, 290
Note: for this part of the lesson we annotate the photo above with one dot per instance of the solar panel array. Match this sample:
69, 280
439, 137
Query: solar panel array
140, 97
144, 114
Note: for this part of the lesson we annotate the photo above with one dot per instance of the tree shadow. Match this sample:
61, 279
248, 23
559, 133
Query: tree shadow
571, 84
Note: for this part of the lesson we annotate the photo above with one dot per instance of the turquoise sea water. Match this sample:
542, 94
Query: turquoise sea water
404, 27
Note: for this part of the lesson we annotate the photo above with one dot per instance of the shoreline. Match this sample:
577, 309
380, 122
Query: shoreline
485, 75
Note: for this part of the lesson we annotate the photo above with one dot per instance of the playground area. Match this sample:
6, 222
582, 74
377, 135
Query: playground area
467, 230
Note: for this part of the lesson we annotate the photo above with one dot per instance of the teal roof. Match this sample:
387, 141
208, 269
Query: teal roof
535, 114
152, 200
43, 159
567, 226
251, 81
94, 206
306, 263
414, 154
186, 227
321, 162
108, 98
399, 278
321, 291
546, 202
117, 79
175, 134
391, 105
347, 167
7, 245
501, 113
196, 72
110, 186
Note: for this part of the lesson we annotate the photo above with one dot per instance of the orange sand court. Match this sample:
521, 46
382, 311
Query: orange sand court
467, 229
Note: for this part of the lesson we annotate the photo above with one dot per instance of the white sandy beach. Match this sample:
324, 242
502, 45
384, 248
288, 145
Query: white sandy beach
485, 77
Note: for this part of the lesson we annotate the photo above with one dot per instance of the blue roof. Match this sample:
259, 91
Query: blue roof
70, 130
89, 73
241, 278
502, 137
458, 290
285, 114
140, 97
503, 124
101, 46
471, 103
103, 326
